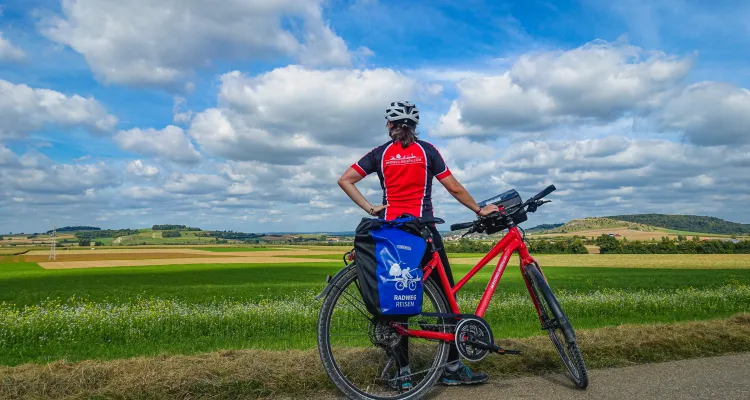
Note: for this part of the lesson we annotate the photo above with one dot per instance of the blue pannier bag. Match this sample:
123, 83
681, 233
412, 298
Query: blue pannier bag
388, 255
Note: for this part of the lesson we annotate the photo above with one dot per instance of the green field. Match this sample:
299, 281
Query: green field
77, 314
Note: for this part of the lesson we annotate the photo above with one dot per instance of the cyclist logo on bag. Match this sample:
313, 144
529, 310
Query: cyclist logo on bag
402, 277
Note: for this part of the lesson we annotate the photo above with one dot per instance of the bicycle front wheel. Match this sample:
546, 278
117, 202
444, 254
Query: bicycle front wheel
556, 323
363, 355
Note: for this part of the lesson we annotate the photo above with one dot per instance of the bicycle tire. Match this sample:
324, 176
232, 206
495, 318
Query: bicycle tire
558, 321
334, 373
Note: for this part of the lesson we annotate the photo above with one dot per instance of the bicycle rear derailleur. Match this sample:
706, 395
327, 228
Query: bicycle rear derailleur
474, 339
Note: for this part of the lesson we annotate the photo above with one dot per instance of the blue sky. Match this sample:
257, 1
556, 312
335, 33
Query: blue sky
134, 112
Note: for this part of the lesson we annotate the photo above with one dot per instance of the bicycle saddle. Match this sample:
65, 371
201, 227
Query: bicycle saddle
424, 220
431, 220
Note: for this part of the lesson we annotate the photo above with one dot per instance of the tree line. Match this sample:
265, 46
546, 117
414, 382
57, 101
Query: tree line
689, 223
75, 228
679, 245
539, 246
107, 233
170, 227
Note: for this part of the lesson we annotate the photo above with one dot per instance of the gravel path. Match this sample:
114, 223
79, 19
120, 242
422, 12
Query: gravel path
725, 377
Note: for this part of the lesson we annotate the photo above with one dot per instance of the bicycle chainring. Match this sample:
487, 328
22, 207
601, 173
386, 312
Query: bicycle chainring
383, 335
469, 331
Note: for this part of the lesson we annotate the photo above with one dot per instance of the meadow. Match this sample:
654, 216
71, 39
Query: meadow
112, 313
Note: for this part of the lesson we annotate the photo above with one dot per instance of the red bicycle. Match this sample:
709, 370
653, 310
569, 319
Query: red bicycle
364, 356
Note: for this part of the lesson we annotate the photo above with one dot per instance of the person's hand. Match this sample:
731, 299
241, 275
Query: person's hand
488, 209
377, 209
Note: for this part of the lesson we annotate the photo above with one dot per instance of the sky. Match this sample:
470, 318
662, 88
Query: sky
241, 115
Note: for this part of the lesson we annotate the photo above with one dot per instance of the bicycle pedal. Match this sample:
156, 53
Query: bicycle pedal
508, 352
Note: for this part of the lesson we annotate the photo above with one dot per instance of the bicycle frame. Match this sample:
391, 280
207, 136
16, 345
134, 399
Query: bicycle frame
511, 243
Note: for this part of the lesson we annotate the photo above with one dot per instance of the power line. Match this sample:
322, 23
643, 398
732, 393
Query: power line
52, 255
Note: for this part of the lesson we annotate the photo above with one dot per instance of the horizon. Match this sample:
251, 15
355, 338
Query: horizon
109, 119
337, 232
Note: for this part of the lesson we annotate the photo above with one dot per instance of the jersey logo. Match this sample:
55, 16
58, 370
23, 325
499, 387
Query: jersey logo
398, 159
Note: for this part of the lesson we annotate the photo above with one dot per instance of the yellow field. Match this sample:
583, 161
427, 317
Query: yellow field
698, 261
177, 256
624, 233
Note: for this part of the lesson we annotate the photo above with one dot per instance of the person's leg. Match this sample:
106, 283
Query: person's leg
453, 353
402, 361
456, 373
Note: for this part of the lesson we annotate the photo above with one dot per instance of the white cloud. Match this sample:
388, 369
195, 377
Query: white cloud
9, 52
228, 134
8, 158
145, 193
138, 168
143, 42
291, 113
62, 179
169, 143
599, 81
195, 184
178, 115
709, 113
24, 109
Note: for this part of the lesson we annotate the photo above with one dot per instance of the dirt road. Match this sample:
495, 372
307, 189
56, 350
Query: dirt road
725, 377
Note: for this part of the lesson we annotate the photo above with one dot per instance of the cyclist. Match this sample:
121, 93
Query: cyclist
406, 166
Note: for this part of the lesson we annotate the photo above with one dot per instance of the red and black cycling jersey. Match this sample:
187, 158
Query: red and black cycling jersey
405, 176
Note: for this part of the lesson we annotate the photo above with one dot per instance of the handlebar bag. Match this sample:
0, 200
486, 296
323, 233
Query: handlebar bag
388, 257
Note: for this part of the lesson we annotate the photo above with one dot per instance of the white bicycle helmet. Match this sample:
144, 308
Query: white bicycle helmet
402, 111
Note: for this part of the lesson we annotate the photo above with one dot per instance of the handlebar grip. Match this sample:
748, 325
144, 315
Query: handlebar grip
545, 192
464, 225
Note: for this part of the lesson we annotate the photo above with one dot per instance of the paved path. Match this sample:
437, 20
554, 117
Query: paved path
725, 378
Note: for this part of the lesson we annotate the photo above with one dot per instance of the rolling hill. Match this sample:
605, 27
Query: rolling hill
688, 223
596, 223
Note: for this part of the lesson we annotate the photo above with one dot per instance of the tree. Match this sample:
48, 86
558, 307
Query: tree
608, 244
84, 242
99, 243
681, 238
696, 239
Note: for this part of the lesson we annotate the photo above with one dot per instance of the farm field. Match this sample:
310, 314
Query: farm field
630, 234
199, 306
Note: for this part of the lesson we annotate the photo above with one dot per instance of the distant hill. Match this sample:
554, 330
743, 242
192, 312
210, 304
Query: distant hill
76, 229
587, 224
689, 223
544, 227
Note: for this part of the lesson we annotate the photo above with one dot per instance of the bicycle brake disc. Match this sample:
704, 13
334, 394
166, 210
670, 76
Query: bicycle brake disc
470, 331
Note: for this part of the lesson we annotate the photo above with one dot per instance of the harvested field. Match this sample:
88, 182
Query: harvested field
137, 258
626, 233
181, 250
11, 251
680, 261
250, 374
176, 261
66, 257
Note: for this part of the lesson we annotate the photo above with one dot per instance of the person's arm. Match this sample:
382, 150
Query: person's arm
445, 176
457, 190
347, 183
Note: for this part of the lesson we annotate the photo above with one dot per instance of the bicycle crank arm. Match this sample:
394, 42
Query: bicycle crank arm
495, 348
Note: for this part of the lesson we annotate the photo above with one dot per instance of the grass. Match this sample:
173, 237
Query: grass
632, 261
186, 309
251, 374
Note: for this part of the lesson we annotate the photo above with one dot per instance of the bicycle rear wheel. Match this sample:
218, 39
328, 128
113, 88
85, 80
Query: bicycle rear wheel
359, 353
556, 323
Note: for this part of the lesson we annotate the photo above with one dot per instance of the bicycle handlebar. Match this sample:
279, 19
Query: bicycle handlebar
549, 189
464, 225
535, 201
